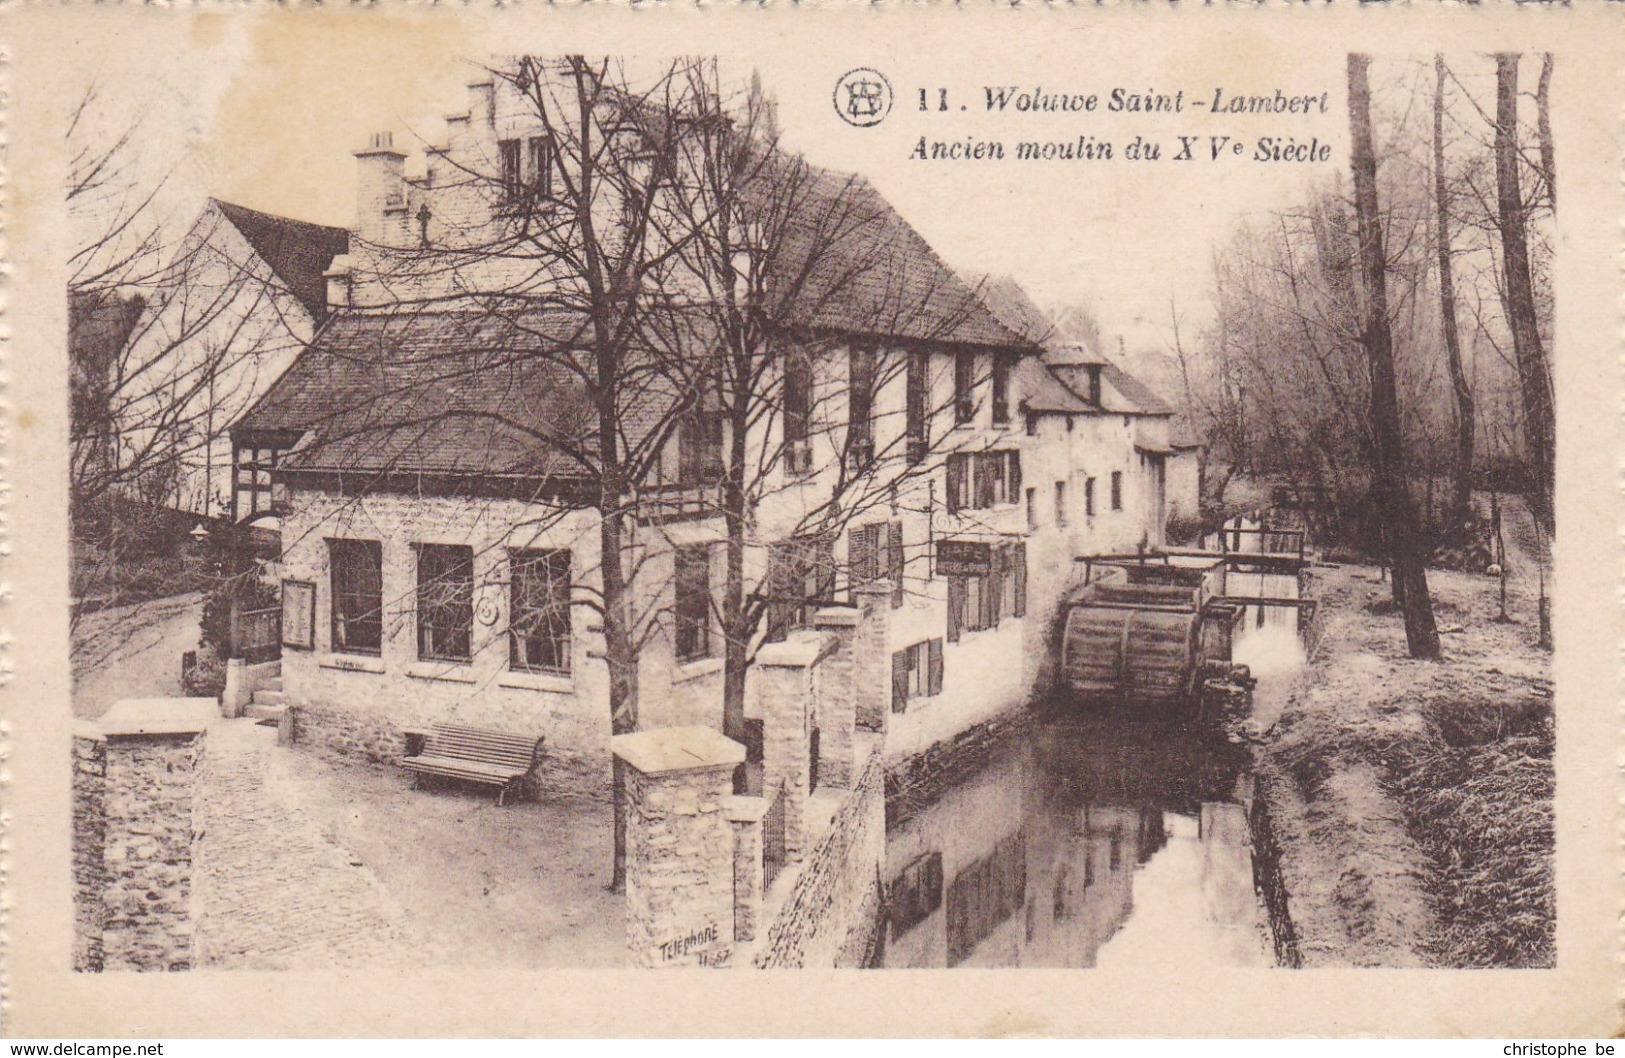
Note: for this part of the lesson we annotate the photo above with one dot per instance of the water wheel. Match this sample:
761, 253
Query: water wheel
1129, 653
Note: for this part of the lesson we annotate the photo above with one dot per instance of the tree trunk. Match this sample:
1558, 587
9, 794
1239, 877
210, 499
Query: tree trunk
736, 634
1534, 384
1404, 543
620, 657
1548, 161
1461, 503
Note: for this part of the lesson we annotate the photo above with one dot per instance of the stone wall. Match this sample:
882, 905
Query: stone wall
354, 730
1269, 883
679, 845
918, 780
89, 848
372, 734
832, 912
133, 844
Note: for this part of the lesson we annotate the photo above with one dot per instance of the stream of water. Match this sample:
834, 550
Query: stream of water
1106, 838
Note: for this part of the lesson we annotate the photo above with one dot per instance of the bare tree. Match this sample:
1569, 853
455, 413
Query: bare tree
1533, 370
1461, 504
1548, 156
170, 337
652, 249
795, 265
1393, 494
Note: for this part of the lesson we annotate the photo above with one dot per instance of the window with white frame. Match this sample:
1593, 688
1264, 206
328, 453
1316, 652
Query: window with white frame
445, 599
539, 611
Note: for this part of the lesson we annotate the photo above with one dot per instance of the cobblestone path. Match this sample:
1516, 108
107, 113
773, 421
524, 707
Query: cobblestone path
274, 892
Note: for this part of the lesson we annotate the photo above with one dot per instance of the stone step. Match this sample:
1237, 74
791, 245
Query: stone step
261, 711
273, 684
267, 697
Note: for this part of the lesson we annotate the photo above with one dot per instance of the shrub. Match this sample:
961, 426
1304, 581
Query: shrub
205, 677
250, 592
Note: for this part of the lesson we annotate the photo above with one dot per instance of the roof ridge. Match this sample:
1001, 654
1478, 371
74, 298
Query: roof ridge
277, 217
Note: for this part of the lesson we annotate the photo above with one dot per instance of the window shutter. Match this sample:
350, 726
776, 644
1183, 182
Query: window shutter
863, 560
956, 606
1015, 475
1018, 564
933, 666
994, 595
983, 482
822, 555
777, 616
956, 481
899, 681
894, 562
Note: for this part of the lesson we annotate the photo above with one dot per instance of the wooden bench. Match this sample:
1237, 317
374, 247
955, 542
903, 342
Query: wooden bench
476, 754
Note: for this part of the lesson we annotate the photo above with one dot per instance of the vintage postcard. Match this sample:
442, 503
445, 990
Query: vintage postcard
1029, 521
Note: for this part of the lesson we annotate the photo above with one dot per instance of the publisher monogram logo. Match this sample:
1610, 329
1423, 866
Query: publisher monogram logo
863, 97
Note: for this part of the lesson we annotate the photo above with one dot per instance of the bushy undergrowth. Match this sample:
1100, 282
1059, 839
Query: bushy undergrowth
1483, 812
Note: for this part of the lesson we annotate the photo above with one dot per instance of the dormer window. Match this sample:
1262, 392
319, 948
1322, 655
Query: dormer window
1001, 391
1094, 384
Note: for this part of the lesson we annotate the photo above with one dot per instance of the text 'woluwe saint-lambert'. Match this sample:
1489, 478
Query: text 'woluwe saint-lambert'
1188, 144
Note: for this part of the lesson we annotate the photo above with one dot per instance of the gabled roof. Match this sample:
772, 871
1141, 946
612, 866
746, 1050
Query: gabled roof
441, 393
414, 391
1138, 396
850, 263
1069, 354
1064, 388
297, 251
1010, 303
1044, 392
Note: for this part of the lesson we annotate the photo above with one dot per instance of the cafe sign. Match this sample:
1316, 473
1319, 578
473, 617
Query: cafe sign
963, 558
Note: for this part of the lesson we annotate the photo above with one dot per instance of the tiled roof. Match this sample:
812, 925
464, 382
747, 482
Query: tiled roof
1011, 304
1065, 388
297, 251
434, 393
453, 391
850, 263
1066, 354
1139, 396
1043, 392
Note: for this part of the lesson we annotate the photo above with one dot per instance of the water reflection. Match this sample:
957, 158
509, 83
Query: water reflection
1104, 840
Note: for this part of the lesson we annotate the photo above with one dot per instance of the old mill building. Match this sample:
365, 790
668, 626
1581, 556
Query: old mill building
441, 548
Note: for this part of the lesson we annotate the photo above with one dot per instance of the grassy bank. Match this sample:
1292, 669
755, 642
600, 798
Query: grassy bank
1413, 799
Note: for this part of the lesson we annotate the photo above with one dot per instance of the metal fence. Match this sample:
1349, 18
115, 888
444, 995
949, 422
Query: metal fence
773, 850
256, 635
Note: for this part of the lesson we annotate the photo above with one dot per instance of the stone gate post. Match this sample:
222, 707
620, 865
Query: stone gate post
745, 816
837, 706
679, 845
871, 656
784, 675
135, 834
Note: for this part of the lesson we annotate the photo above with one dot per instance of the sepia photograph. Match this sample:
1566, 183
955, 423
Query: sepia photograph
533, 506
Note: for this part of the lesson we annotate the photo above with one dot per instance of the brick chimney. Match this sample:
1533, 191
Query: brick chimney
481, 108
380, 189
457, 134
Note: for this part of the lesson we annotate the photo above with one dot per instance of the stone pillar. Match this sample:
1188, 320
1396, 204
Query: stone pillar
745, 815
679, 845
837, 708
135, 834
287, 726
234, 699
871, 655
784, 673
89, 846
